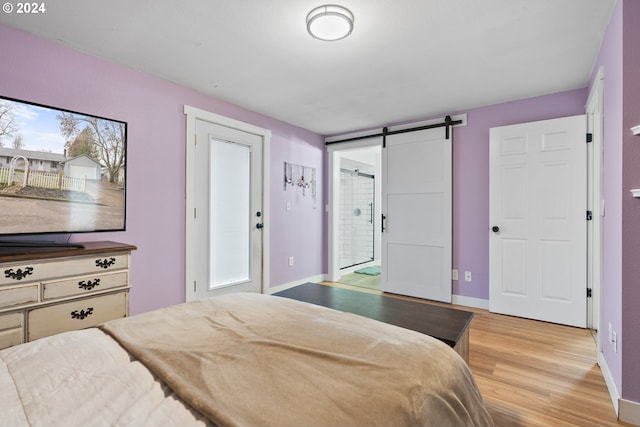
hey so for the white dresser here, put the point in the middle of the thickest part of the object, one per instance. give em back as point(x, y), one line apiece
point(45, 291)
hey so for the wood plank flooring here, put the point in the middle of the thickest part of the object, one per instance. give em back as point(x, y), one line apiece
point(535, 374)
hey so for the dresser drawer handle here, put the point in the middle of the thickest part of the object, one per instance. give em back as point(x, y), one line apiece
point(105, 263)
point(82, 314)
point(19, 274)
point(88, 285)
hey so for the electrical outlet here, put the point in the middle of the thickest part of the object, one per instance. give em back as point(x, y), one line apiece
point(614, 341)
point(290, 261)
point(467, 276)
point(454, 274)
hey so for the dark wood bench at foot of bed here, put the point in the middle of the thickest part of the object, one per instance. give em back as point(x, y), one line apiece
point(446, 324)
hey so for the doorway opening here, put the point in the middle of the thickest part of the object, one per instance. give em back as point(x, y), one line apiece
point(407, 255)
point(356, 195)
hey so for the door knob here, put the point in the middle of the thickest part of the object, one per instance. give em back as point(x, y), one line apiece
point(259, 225)
point(495, 228)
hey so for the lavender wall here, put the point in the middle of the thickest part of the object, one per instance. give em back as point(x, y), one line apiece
point(301, 231)
point(471, 178)
point(621, 226)
point(629, 346)
point(40, 71)
point(610, 58)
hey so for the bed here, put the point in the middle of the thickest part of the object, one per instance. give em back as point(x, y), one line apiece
point(239, 360)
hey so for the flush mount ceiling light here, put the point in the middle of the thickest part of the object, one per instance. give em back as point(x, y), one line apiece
point(330, 22)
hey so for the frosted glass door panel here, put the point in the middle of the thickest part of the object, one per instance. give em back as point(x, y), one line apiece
point(230, 203)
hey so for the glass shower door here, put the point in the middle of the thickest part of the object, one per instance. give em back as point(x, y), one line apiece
point(357, 192)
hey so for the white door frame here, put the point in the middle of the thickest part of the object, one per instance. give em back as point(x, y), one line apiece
point(334, 200)
point(595, 122)
point(192, 115)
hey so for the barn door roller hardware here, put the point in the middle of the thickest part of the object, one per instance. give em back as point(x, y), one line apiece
point(447, 123)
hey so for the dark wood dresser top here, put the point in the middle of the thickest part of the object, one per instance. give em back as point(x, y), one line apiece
point(25, 252)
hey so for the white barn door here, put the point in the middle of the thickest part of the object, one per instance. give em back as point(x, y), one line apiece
point(538, 229)
point(417, 208)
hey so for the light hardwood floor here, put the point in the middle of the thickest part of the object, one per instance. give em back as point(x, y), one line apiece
point(535, 374)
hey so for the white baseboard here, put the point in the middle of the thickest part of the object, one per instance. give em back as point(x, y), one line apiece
point(614, 394)
point(629, 412)
point(471, 301)
point(279, 288)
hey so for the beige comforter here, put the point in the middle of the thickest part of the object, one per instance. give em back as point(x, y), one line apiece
point(238, 360)
point(257, 360)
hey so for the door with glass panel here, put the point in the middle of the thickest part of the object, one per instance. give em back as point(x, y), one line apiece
point(228, 210)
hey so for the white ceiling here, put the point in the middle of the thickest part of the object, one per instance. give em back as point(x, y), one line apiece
point(405, 60)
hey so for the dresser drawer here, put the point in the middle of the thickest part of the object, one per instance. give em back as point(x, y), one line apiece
point(11, 320)
point(10, 296)
point(42, 270)
point(11, 329)
point(77, 314)
point(11, 337)
point(83, 285)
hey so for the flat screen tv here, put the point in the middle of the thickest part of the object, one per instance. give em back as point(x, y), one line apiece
point(61, 171)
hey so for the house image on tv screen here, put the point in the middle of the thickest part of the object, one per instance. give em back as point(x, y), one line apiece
point(47, 170)
point(38, 160)
point(82, 166)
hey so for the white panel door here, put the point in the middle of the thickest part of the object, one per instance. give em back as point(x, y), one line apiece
point(228, 211)
point(538, 203)
point(416, 205)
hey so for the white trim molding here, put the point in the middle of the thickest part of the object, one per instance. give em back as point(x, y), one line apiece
point(470, 301)
point(614, 394)
point(629, 412)
point(313, 279)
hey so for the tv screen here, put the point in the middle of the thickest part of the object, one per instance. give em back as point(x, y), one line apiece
point(60, 171)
